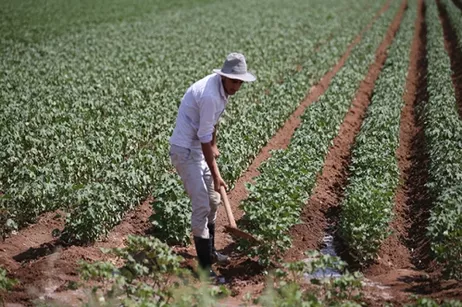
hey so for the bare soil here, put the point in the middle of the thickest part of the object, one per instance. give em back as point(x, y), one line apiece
point(43, 265)
point(22, 247)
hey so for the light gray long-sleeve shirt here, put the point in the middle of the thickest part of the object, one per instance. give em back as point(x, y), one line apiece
point(199, 111)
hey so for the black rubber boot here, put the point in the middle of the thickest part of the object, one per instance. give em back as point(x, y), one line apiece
point(216, 257)
point(204, 251)
point(204, 254)
point(211, 228)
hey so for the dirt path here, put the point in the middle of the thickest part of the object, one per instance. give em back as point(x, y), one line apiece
point(455, 54)
point(45, 267)
point(31, 242)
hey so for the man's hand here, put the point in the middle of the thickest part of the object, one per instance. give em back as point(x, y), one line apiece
point(209, 155)
point(218, 182)
point(215, 151)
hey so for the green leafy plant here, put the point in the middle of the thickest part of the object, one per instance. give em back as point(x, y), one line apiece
point(7, 225)
point(6, 284)
point(144, 258)
point(427, 302)
point(150, 276)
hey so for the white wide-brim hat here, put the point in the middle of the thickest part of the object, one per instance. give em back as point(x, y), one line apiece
point(235, 67)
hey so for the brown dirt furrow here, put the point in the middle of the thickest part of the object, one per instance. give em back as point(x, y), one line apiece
point(455, 54)
point(281, 139)
point(323, 206)
point(412, 199)
point(27, 243)
point(404, 264)
point(48, 274)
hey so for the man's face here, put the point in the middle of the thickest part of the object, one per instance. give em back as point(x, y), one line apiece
point(231, 86)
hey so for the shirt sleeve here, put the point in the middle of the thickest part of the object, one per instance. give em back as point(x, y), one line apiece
point(207, 107)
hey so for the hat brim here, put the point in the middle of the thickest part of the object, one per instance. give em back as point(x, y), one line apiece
point(247, 77)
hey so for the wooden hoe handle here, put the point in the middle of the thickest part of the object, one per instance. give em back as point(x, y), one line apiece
point(229, 213)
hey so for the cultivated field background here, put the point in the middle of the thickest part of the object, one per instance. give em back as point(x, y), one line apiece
point(352, 132)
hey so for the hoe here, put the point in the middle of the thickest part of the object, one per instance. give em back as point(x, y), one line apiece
point(232, 227)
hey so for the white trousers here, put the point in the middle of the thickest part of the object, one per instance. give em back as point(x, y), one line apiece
point(197, 180)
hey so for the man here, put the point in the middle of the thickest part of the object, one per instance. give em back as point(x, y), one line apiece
point(194, 149)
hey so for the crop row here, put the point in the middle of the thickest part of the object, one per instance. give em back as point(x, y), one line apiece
point(86, 114)
point(247, 128)
point(443, 131)
point(455, 17)
point(30, 22)
point(288, 177)
point(374, 174)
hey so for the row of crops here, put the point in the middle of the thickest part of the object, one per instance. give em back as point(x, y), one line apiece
point(274, 205)
point(86, 116)
point(367, 208)
point(88, 105)
point(443, 132)
point(374, 174)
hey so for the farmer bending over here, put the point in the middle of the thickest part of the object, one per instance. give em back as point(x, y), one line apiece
point(194, 149)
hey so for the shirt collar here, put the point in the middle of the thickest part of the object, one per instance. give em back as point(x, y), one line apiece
point(221, 88)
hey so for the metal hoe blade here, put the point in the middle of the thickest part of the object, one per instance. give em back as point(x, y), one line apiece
point(241, 234)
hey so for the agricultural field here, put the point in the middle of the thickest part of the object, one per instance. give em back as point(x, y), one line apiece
point(348, 146)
